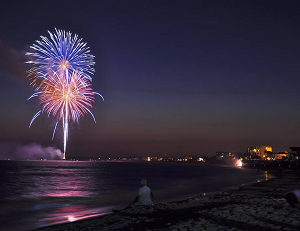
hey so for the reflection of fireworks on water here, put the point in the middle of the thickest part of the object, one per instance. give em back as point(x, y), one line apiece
point(62, 79)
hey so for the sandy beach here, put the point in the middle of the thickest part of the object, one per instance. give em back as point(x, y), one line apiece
point(259, 206)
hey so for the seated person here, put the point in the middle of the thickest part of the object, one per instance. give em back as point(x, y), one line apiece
point(145, 196)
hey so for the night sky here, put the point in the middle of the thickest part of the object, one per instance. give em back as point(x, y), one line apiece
point(179, 77)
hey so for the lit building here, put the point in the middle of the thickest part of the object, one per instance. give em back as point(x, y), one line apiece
point(295, 153)
point(190, 159)
point(260, 152)
point(165, 159)
point(280, 155)
point(150, 158)
point(223, 154)
point(200, 159)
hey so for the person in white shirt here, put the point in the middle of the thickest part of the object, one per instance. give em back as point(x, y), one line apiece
point(144, 196)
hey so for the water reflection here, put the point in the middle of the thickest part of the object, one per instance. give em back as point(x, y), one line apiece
point(63, 191)
point(50, 192)
point(71, 218)
point(62, 180)
point(70, 214)
point(266, 174)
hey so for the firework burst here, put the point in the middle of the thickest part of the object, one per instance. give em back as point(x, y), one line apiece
point(62, 52)
point(61, 73)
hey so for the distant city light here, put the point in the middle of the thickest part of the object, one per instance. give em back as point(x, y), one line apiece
point(239, 163)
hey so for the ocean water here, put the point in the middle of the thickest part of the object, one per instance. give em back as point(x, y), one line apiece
point(35, 194)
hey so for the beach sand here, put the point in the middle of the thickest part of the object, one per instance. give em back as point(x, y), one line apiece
point(259, 206)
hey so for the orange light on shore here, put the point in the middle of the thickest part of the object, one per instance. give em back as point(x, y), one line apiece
point(239, 163)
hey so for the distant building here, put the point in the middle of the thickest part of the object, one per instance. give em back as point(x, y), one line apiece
point(150, 158)
point(165, 159)
point(191, 158)
point(295, 153)
point(201, 159)
point(280, 155)
point(223, 157)
point(260, 152)
point(223, 154)
point(135, 158)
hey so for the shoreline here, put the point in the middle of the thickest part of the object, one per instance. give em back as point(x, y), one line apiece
point(256, 206)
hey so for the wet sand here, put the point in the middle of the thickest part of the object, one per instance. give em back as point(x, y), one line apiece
point(259, 206)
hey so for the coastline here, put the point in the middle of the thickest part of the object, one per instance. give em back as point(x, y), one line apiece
point(257, 206)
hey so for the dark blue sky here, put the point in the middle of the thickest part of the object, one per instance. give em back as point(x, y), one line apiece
point(178, 77)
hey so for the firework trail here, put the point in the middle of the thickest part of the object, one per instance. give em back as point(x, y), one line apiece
point(61, 74)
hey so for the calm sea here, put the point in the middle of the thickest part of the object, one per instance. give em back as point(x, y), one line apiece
point(34, 194)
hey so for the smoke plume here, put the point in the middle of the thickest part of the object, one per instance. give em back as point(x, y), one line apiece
point(31, 151)
point(12, 62)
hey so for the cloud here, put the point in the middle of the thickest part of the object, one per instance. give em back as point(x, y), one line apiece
point(12, 62)
point(31, 151)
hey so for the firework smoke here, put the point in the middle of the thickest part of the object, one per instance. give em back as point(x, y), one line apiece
point(31, 151)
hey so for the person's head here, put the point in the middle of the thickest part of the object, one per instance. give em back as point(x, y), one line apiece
point(292, 199)
point(144, 182)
